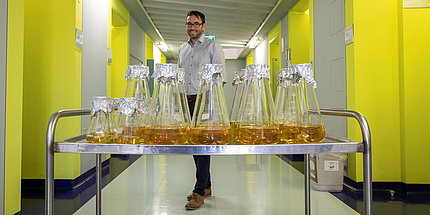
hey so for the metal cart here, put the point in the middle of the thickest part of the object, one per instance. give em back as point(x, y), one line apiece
point(330, 145)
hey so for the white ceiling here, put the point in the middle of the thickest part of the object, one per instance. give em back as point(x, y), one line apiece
point(232, 22)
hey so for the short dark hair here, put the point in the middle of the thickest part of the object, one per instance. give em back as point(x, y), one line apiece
point(198, 14)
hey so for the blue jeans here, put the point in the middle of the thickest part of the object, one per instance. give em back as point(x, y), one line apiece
point(202, 162)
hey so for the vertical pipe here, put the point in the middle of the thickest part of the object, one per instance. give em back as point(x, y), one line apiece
point(49, 181)
point(367, 165)
point(98, 184)
point(307, 186)
point(367, 175)
point(367, 162)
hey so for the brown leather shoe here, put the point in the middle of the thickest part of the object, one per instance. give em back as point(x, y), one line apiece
point(208, 192)
point(195, 202)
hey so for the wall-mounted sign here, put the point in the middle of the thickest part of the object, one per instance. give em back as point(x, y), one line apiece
point(282, 44)
point(109, 55)
point(349, 34)
point(79, 39)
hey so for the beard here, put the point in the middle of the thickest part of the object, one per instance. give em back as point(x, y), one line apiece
point(194, 34)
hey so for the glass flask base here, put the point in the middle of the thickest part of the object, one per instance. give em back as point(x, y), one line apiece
point(205, 136)
point(303, 133)
point(258, 135)
point(123, 139)
point(165, 136)
point(98, 138)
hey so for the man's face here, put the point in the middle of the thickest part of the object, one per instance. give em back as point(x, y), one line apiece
point(195, 32)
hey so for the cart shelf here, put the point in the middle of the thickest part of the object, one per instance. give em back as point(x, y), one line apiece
point(331, 144)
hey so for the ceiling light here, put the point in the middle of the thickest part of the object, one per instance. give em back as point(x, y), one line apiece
point(162, 46)
point(232, 53)
point(254, 42)
point(233, 45)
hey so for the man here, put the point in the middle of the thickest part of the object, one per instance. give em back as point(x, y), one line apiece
point(198, 50)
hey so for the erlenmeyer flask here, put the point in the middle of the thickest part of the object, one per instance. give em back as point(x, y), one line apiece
point(210, 124)
point(127, 130)
point(137, 81)
point(303, 123)
point(257, 119)
point(281, 95)
point(100, 130)
point(184, 101)
point(282, 91)
point(168, 125)
point(237, 99)
point(293, 108)
point(142, 112)
point(114, 103)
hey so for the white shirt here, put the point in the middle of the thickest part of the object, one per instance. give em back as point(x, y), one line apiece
point(204, 51)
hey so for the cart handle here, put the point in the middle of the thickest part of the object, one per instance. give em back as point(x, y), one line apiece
point(50, 133)
point(367, 155)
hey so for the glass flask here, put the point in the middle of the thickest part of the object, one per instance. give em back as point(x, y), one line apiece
point(114, 105)
point(137, 81)
point(258, 124)
point(142, 112)
point(281, 95)
point(210, 124)
point(127, 130)
point(166, 125)
point(180, 75)
point(237, 99)
point(302, 118)
point(100, 130)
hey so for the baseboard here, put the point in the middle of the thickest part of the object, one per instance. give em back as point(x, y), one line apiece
point(66, 184)
point(387, 186)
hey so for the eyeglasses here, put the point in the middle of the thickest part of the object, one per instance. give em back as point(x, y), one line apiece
point(196, 24)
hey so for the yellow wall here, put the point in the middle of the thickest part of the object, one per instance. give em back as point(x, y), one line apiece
point(298, 36)
point(310, 12)
point(163, 57)
point(373, 84)
point(149, 48)
point(118, 40)
point(51, 83)
point(250, 58)
point(14, 102)
point(415, 99)
point(384, 67)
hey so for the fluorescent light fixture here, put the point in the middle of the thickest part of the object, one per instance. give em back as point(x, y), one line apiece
point(232, 53)
point(416, 3)
point(162, 46)
point(233, 45)
point(254, 42)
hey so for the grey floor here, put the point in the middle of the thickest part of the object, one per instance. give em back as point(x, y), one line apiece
point(252, 184)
